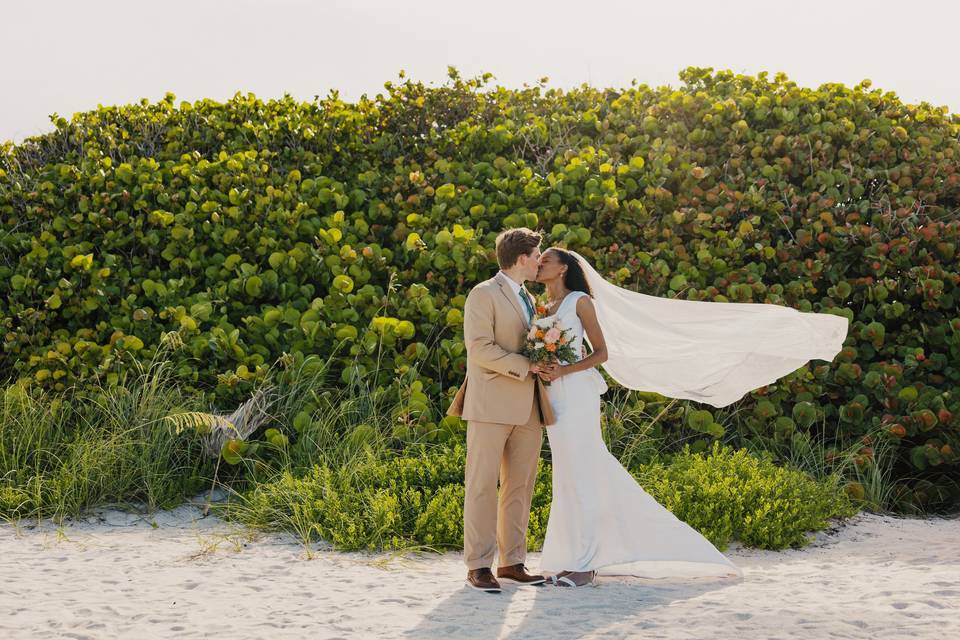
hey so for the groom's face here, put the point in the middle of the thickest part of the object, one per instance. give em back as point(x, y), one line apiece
point(531, 264)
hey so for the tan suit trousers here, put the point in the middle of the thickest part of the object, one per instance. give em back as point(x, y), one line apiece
point(510, 453)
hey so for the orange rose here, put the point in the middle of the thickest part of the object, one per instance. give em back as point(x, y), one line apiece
point(551, 347)
point(540, 333)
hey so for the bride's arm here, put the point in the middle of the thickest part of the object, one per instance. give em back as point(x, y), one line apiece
point(588, 317)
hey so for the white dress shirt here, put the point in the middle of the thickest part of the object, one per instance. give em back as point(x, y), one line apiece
point(516, 290)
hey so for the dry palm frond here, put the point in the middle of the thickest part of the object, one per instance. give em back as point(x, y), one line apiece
point(198, 421)
point(218, 428)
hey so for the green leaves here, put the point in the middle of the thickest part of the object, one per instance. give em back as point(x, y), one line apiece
point(253, 286)
point(276, 438)
point(131, 343)
point(804, 413)
point(253, 228)
point(908, 394)
point(446, 192)
point(702, 420)
point(417, 499)
point(161, 218)
point(233, 450)
point(765, 410)
point(82, 261)
point(343, 283)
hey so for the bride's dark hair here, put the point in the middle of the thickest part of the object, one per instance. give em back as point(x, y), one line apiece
point(574, 279)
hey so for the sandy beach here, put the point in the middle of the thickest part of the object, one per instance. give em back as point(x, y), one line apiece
point(176, 574)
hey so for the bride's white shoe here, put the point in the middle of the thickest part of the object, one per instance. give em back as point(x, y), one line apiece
point(564, 581)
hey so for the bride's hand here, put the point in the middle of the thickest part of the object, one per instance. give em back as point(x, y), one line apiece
point(550, 371)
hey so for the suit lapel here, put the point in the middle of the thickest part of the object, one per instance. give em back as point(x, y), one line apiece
point(512, 299)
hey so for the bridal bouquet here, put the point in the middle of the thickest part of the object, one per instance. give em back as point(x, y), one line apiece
point(547, 341)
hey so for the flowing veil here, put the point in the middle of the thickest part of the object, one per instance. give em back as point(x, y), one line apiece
point(711, 352)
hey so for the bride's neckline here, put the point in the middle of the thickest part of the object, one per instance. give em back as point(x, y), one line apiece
point(557, 310)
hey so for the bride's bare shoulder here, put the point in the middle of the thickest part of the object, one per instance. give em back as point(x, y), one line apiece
point(584, 305)
point(591, 325)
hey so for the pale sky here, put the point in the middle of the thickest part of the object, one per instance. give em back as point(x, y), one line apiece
point(66, 55)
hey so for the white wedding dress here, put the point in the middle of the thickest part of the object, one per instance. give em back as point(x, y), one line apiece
point(600, 517)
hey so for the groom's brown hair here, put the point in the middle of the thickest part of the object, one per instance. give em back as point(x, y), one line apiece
point(513, 243)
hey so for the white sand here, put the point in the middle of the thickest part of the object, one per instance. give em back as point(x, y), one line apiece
point(177, 575)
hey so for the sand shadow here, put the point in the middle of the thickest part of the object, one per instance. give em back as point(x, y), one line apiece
point(522, 612)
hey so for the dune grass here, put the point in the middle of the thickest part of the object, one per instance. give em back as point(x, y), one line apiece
point(64, 453)
point(353, 464)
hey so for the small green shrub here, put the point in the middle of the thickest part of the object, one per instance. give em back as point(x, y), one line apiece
point(417, 500)
point(732, 495)
point(371, 504)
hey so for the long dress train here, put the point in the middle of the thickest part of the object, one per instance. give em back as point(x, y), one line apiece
point(601, 518)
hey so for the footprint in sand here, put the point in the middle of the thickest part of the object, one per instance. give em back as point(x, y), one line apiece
point(931, 603)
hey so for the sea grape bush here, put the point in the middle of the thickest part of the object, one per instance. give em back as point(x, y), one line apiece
point(255, 228)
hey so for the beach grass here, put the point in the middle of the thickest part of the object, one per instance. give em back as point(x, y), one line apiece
point(353, 465)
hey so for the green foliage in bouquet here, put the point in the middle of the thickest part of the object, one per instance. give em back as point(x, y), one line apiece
point(251, 228)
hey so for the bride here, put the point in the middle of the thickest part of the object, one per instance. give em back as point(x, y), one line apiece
point(601, 520)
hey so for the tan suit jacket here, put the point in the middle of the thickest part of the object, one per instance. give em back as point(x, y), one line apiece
point(498, 386)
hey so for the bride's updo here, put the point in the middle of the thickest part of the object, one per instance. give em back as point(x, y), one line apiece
point(574, 279)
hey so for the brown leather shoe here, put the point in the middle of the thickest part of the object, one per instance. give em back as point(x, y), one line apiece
point(482, 580)
point(518, 573)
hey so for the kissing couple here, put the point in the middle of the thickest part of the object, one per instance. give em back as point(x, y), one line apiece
point(601, 520)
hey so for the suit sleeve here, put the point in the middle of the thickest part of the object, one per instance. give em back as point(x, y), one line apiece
point(479, 341)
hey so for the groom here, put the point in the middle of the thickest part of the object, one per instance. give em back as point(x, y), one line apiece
point(505, 405)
